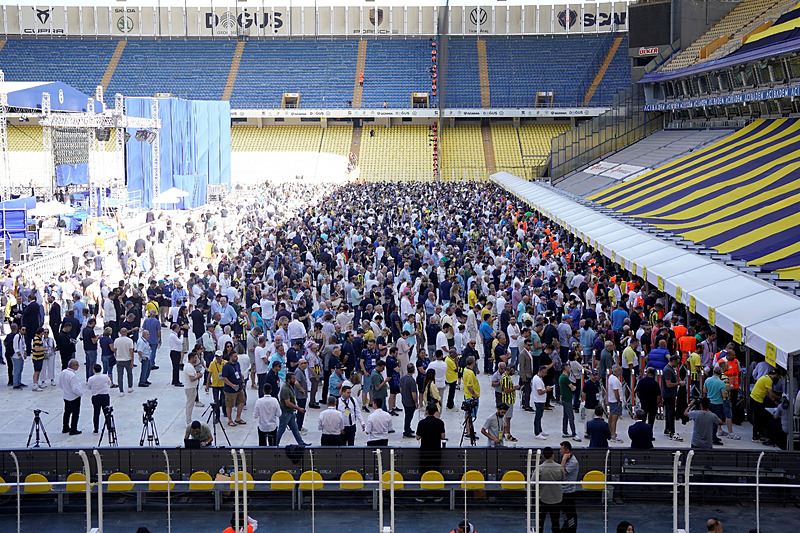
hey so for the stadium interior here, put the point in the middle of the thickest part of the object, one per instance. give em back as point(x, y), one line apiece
point(684, 119)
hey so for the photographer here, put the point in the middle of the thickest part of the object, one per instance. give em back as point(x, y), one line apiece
point(705, 422)
point(196, 430)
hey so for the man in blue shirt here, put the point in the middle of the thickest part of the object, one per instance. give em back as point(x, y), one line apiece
point(227, 314)
point(336, 380)
point(153, 325)
point(716, 391)
point(658, 357)
point(179, 293)
point(618, 317)
point(487, 336)
point(234, 390)
point(599, 432)
point(368, 360)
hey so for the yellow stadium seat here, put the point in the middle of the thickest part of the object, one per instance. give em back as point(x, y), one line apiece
point(44, 485)
point(239, 478)
point(311, 480)
point(281, 480)
point(594, 480)
point(4, 487)
point(435, 480)
point(201, 481)
point(76, 482)
point(355, 479)
point(513, 480)
point(159, 482)
point(389, 478)
point(473, 480)
point(119, 482)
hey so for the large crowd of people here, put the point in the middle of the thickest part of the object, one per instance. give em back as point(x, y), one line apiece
point(376, 300)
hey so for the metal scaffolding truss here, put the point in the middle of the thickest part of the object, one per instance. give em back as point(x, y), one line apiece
point(99, 174)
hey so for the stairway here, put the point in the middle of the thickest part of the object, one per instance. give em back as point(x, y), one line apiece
point(488, 147)
point(237, 58)
point(2, 44)
point(361, 63)
point(483, 73)
point(112, 64)
point(355, 142)
point(601, 71)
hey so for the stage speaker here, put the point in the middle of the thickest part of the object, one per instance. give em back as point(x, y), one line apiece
point(102, 134)
point(18, 248)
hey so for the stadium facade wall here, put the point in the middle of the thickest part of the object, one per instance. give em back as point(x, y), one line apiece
point(305, 18)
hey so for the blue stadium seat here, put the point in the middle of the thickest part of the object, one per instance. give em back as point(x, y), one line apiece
point(76, 62)
point(394, 69)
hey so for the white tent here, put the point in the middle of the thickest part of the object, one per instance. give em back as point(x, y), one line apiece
point(756, 313)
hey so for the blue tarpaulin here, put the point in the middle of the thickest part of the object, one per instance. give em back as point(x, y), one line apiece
point(72, 174)
point(29, 202)
point(28, 95)
point(13, 221)
point(194, 147)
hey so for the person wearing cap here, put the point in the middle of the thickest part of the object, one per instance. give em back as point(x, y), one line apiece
point(273, 377)
point(336, 380)
point(153, 325)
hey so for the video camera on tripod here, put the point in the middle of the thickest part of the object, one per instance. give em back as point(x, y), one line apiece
point(469, 405)
point(149, 407)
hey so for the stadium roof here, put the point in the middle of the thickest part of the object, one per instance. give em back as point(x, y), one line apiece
point(757, 314)
point(28, 95)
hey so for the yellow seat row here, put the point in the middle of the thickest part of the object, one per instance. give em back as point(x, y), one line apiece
point(461, 153)
point(395, 154)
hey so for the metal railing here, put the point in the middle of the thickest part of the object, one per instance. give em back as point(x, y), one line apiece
point(614, 475)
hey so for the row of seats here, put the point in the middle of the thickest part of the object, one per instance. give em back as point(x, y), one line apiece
point(399, 152)
point(525, 146)
point(461, 152)
point(731, 24)
point(616, 77)
point(29, 139)
point(322, 72)
point(282, 480)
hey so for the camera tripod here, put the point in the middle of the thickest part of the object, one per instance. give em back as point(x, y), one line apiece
point(213, 413)
point(468, 429)
point(149, 431)
point(108, 422)
point(37, 426)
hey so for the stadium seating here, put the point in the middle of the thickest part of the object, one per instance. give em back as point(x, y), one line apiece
point(396, 153)
point(519, 68)
point(651, 152)
point(616, 77)
point(461, 153)
point(523, 147)
point(735, 25)
point(78, 63)
point(322, 72)
point(463, 80)
point(738, 196)
point(393, 70)
point(288, 151)
point(195, 70)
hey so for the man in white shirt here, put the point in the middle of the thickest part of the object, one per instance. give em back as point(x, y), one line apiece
point(351, 412)
point(261, 356)
point(71, 392)
point(267, 413)
point(99, 385)
point(440, 367)
point(123, 352)
point(296, 329)
point(615, 397)
point(191, 378)
point(176, 353)
point(223, 339)
point(441, 338)
point(331, 424)
point(379, 425)
point(539, 392)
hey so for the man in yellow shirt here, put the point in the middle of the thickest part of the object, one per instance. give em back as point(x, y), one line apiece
point(215, 383)
point(762, 390)
point(451, 378)
point(695, 363)
point(472, 389)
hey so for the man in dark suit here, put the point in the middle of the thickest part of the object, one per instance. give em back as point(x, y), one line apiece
point(640, 432)
point(32, 316)
point(54, 316)
point(599, 432)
